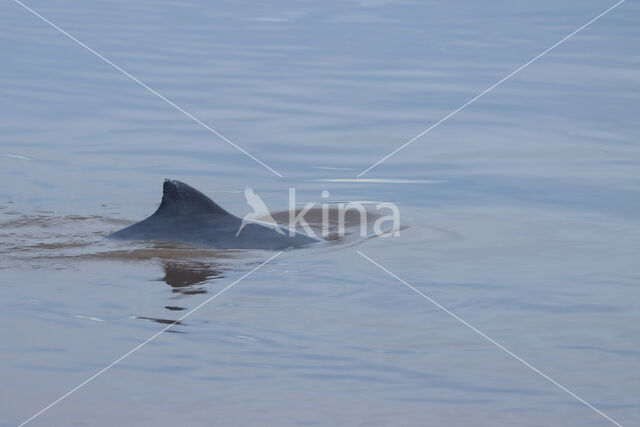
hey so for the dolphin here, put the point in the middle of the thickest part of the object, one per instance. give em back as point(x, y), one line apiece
point(186, 215)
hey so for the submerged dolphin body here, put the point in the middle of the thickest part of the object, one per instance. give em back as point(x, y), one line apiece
point(186, 215)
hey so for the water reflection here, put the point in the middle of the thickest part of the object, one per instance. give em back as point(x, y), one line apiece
point(186, 278)
point(163, 321)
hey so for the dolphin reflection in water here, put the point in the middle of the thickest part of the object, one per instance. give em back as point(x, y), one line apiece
point(185, 278)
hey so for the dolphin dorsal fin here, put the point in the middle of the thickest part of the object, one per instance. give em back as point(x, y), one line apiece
point(180, 198)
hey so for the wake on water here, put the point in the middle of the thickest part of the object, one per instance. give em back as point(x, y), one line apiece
point(45, 239)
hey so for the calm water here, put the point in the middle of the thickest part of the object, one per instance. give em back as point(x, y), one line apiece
point(521, 213)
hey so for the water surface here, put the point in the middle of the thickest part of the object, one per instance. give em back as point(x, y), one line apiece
point(521, 212)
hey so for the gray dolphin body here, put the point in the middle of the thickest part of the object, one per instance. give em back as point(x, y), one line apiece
point(185, 215)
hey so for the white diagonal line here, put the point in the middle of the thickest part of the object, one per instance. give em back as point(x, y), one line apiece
point(136, 348)
point(491, 340)
point(191, 116)
point(490, 88)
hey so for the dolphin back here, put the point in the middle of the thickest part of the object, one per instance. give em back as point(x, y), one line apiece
point(186, 215)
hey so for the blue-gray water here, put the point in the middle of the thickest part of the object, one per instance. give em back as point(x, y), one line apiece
point(521, 212)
